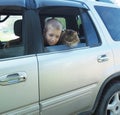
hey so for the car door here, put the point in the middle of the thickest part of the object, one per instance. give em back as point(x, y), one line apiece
point(69, 78)
point(18, 71)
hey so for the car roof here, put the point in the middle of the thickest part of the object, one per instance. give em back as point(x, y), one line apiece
point(12, 3)
point(72, 3)
point(34, 4)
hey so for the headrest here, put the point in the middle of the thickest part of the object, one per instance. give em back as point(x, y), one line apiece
point(18, 27)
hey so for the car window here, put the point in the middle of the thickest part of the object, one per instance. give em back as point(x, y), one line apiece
point(111, 19)
point(11, 36)
point(91, 34)
point(77, 28)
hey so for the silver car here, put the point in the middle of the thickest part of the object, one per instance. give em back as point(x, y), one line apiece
point(40, 79)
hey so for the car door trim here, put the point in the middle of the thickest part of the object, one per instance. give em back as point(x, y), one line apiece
point(66, 97)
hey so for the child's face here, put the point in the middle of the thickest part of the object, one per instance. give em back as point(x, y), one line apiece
point(52, 36)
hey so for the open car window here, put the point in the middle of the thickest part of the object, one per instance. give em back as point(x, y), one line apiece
point(71, 19)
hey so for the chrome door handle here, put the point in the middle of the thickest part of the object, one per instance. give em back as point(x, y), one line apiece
point(102, 58)
point(13, 78)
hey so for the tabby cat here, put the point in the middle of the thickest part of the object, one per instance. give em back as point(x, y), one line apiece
point(70, 38)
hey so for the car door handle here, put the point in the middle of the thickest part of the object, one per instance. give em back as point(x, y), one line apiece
point(13, 78)
point(102, 58)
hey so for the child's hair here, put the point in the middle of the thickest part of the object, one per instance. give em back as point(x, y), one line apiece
point(53, 23)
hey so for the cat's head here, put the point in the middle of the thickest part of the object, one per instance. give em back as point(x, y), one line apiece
point(70, 38)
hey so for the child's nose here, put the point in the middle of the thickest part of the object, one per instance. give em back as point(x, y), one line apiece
point(53, 39)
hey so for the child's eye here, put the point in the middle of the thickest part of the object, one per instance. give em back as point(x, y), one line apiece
point(57, 36)
point(51, 35)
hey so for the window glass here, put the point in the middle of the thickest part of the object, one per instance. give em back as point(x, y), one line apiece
point(111, 19)
point(92, 37)
point(11, 36)
point(7, 28)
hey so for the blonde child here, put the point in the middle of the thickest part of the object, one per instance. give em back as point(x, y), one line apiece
point(52, 32)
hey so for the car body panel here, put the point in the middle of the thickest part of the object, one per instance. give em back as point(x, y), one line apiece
point(20, 3)
point(68, 103)
point(63, 75)
point(23, 93)
point(32, 109)
point(40, 3)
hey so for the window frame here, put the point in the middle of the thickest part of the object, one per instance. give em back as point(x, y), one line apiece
point(80, 11)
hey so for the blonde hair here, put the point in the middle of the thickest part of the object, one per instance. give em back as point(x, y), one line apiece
point(53, 23)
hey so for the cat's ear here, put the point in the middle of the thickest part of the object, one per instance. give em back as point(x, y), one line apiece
point(75, 33)
point(62, 35)
point(63, 32)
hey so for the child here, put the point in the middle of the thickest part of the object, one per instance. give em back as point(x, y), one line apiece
point(52, 32)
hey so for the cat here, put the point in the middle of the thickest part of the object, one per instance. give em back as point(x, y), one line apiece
point(70, 38)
